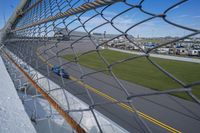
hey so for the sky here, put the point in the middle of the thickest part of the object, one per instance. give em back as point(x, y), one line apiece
point(186, 14)
point(7, 7)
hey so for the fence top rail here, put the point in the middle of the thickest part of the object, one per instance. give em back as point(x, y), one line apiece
point(83, 8)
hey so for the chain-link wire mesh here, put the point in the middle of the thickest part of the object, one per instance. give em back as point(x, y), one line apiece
point(77, 36)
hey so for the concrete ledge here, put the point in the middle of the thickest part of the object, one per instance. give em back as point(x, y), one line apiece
point(13, 118)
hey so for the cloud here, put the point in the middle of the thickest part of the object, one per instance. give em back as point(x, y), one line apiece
point(183, 16)
point(198, 16)
point(153, 28)
point(122, 22)
point(110, 13)
point(176, 7)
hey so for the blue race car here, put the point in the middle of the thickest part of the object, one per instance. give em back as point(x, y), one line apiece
point(60, 71)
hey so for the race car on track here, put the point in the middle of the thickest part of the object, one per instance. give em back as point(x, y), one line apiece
point(60, 71)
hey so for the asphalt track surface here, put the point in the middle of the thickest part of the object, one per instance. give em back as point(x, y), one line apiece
point(162, 113)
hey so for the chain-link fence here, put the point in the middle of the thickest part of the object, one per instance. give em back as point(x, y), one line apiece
point(74, 43)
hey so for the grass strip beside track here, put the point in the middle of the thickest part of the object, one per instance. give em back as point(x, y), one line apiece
point(142, 72)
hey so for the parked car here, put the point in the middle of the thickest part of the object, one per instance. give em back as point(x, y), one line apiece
point(62, 37)
point(193, 52)
point(60, 71)
point(181, 51)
